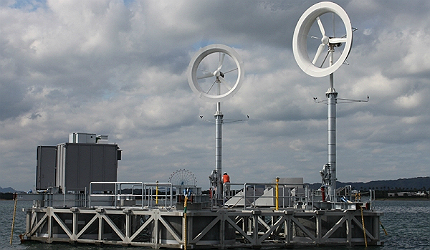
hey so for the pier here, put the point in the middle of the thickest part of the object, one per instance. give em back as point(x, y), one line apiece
point(156, 215)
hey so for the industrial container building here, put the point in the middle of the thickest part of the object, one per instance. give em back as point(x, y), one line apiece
point(45, 171)
point(70, 167)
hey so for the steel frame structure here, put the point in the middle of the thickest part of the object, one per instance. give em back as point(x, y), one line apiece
point(221, 228)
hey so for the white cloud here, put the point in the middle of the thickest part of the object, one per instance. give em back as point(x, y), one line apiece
point(409, 101)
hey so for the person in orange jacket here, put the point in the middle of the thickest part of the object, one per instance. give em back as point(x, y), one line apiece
point(226, 179)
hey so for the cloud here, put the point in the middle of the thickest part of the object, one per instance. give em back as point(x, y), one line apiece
point(116, 68)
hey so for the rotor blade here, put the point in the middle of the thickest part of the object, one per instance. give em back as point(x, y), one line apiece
point(319, 51)
point(221, 60)
point(228, 71)
point(321, 26)
point(210, 87)
point(337, 40)
point(325, 58)
point(205, 75)
point(225, 83)
point(334, 31)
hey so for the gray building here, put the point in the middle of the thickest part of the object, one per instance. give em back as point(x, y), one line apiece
point(45, 171)
point(72, 166)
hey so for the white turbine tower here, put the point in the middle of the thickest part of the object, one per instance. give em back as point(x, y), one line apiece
point(319, 66)
point(215, 73)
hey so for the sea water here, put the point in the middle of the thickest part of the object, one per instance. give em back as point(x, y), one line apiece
point(406, 222)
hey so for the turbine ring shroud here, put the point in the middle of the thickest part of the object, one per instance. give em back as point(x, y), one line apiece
point(301, 34)
point(218, 73)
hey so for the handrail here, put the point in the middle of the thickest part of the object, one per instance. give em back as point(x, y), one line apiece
point(116, 192)
point(139, 190)
point(248, 195)
point(286, 194)
point(168, 193)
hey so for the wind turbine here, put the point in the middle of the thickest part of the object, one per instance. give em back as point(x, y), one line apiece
point(320, 67)
point(215, 73)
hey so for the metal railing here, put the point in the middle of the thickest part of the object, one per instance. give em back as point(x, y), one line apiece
point(251, 195)
point(166, 195)
point(159, 194)
point(130, 194)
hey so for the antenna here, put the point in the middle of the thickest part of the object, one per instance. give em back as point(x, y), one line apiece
point(343, 100)
point(215, 73)
point(226, 120)
point(313, 20)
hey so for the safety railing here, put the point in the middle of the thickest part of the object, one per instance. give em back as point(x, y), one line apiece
point(130, 194)
point(114, 193)
point(159, 194)
point(58, 200)
point(252, 195)
point(240, 195)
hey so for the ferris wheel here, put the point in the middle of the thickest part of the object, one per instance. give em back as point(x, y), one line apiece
point(183, 177)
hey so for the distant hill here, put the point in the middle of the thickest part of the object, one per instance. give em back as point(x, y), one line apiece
point(7, 190)
point(404, 184)
point(417, 183)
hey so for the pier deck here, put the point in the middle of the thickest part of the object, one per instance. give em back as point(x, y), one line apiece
point(160, 226)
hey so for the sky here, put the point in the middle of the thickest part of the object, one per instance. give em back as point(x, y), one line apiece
point(119, 68)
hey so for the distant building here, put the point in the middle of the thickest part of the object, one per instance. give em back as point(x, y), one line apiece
point(408, 194)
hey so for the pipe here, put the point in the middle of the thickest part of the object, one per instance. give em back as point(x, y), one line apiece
point(331, 95)
point(156, 193)
point(277, 193)
point(323, 193)
point(364, 228)
point(331, 142)
point(383, 228)
point(218, 151)
point(13, 217)
point(185, 222)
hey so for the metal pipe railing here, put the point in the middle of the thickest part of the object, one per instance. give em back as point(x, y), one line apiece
point(289, 195)
point(167, 197)
point(117, 192)
point(150, 194)
point(245, 195)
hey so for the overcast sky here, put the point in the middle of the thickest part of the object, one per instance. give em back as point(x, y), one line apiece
point(119, 68)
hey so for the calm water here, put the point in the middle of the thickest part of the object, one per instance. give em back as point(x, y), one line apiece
point(407, 224)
